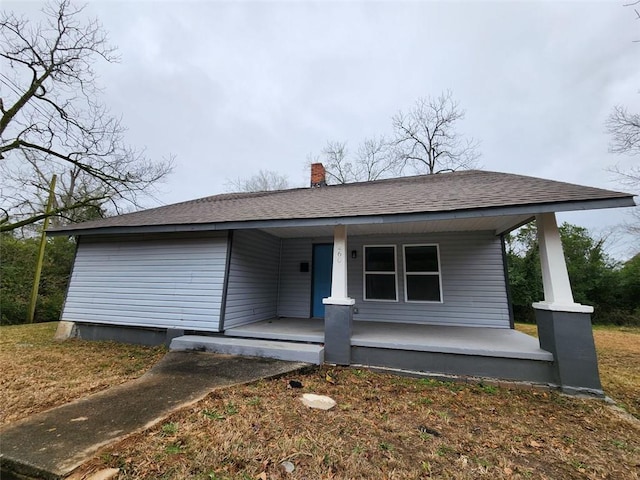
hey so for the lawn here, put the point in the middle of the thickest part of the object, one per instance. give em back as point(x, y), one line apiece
point(38, 373)
point(619, 363)
point(384, 426)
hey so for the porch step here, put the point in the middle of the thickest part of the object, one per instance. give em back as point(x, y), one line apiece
point(250, 347)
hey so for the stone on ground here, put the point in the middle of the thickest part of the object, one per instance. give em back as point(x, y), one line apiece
point(321, 402)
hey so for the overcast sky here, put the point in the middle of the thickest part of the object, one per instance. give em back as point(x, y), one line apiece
point(233, 87)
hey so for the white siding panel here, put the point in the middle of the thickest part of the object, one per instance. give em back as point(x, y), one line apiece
point(252, 290)
point(153, 282)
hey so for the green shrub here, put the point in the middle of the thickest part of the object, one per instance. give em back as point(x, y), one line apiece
point(17, 269)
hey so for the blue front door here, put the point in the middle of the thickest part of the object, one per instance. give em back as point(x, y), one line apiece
point(322, 266)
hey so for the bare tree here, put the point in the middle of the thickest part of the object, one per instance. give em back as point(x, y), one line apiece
point(339, 169)
point(263, 181)
point(373, 160)
point(624, 128)
point(426, 137)
point(53, 121)
point(631, 178)
point(635, 4)
point(78, 197)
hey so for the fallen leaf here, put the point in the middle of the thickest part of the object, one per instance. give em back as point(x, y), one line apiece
point(535, 444)
point(262, 476)
point(507, 471)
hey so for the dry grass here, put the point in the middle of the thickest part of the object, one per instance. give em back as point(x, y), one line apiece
point(383, 427)
point(38, 373)
point(619, 362)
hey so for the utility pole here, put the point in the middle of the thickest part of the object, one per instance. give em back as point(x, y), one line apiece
point(43, 243)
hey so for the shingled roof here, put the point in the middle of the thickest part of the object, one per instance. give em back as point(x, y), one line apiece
point(464, 191)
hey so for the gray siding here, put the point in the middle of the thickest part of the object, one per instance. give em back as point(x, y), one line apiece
point(295, 286)
point(164, 282)
point(252, 292)
point(473, 283)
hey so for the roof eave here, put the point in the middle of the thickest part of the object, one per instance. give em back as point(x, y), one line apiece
point(529, 209)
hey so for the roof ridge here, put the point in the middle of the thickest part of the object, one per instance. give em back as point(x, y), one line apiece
point(231, 195)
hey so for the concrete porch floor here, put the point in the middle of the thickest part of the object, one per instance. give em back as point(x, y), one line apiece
point(488, 342)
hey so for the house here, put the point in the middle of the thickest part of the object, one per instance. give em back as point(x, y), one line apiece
point(406, 273)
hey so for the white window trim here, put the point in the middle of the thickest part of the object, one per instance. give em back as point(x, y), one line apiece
point(365, 272)
point(438, 273)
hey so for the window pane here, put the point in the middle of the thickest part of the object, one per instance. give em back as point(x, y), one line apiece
point(380, 259)
point(423, 288)
point(421, 258)
point(380, 287)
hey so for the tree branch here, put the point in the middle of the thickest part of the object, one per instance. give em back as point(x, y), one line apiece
point(51, 117)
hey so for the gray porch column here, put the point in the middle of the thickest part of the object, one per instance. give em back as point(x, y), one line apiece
point(568, 336)
point(564, 327)
point(338, 324)
point(338, 313)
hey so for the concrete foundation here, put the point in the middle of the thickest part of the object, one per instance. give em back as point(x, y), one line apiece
point(171, 334)
point(338, 325)
point(251, 347)
point(65, 331)
point(569, 337)
point(116, 333)
point(513, 369)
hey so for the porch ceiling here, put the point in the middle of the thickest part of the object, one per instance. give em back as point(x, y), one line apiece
point(497, 224)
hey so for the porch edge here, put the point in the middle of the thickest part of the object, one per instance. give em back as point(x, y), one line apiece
point(499, 368)
point(502, 383)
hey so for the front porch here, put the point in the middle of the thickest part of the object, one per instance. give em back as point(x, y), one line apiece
point(488, 342)
point(414, 348)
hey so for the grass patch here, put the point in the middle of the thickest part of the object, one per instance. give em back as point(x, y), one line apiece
point(169, 428)
point(38, 373)
point(213, 415)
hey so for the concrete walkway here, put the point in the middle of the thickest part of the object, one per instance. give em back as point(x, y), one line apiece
point(51, 444)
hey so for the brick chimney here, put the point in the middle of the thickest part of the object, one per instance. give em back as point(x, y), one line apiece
point(318, 174)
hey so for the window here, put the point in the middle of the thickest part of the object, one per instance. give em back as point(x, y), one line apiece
point(422, 273)
point(380, 273)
